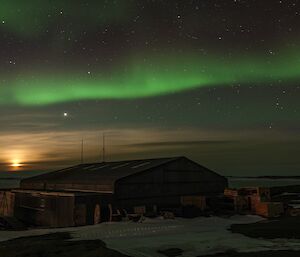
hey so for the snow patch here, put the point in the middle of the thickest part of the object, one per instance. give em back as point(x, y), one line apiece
point(199, 236)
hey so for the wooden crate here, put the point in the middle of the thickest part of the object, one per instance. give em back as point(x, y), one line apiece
point(231, 193)
point(269, 209)
point(7, 203)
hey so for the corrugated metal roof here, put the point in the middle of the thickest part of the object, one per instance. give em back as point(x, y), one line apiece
point(102, 175)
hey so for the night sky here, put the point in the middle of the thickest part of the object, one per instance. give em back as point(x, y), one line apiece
point(216, 81)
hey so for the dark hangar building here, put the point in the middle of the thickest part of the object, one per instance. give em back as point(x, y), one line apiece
point(91, 193)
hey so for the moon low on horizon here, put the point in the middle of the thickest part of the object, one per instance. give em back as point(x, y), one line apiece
point(216, 81)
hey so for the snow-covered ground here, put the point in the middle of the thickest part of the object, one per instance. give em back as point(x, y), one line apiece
point(196, 237)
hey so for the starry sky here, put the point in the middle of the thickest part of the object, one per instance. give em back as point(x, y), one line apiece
point(214, 80)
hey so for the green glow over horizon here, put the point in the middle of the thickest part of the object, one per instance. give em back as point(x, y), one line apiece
point(153, 77)
point(30, 18)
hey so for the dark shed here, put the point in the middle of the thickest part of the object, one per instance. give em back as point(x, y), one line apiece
point(126, 184)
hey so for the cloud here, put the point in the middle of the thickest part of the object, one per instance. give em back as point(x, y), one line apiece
point(183, 143)
point(229, 152)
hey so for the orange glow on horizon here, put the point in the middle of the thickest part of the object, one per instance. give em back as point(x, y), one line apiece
point(16, 164)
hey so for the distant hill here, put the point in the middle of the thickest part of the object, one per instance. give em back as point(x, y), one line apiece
point(266, 177)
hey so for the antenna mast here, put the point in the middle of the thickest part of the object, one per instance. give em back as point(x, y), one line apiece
point(103, 145)
point(81, 151)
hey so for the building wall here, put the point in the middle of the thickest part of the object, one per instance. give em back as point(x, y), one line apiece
point(60, 209)
point(89, 202)
point(166, 184)
point(162, 186)
point(44, 210)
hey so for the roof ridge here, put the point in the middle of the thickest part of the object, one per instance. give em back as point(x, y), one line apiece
point(134, 160)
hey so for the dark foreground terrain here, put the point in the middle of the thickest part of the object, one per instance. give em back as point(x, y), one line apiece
point(55, 245)
point(288, 227)
point(59, 245)
point(258, 254)
point(173, 252)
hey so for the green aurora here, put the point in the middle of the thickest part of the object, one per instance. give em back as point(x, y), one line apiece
point(16, 13)
point(135, 77)
point(150, 77)
point(216, 81)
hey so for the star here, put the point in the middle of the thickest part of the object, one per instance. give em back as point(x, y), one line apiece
point(201, 67)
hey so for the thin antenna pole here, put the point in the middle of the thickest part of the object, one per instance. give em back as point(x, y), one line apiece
point(82, 151)
point(103, 145)
point(100, 147)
